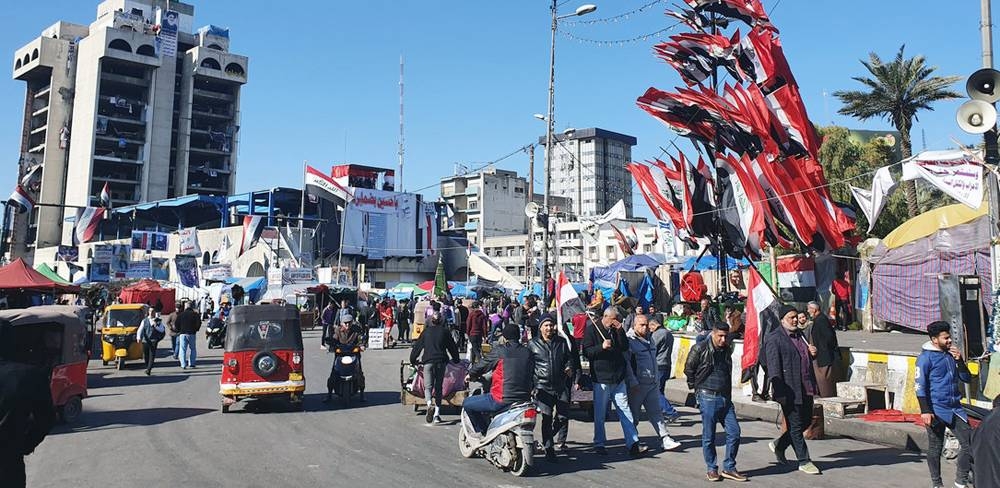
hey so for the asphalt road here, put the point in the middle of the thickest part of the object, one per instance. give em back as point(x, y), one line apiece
point(167, 430)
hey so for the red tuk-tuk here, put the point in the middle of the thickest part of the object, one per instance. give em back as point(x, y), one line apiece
point(263, 355)
point(54, 337)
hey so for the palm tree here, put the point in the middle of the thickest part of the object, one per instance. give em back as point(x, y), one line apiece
point(896, 91)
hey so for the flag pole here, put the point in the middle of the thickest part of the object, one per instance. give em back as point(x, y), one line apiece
point(302, 208)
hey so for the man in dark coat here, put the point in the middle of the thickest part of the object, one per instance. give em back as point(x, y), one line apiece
point(605, 345)
point(475, 329)
point(985, 440)
point(793, 386)
point(435, 343)
point(26, 412)
point(553, 371)
point(824, 337)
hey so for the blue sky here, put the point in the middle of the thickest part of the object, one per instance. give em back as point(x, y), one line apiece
point(323, 77)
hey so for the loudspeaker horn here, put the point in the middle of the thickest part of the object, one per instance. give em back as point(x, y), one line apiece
point(976, 117)
point(984, 85)
point(531, 209)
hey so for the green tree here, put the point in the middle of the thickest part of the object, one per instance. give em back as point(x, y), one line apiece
point(896, 91)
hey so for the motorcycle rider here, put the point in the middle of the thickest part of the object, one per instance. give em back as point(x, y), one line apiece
point(347, 336)
point(513, 375)
point(553, 370)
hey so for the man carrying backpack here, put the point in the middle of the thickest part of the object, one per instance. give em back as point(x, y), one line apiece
point(149, 334)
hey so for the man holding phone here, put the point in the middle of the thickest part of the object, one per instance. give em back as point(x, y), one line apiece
point(939, 368)
point(605, 345)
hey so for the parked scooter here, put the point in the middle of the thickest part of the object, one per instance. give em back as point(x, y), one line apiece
point(509, 441)
point(216, 333)
point(346, 377)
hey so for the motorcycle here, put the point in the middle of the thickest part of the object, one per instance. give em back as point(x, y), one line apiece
point(216, 333)
point(509, 441)
point(346, 377)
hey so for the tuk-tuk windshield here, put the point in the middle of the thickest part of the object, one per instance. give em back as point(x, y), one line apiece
point(259, 327)
point(125, 318)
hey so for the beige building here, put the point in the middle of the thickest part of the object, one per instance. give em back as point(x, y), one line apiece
point(588, 169)
point(137, 100)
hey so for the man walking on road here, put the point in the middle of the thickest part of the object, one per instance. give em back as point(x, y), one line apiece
point(709, 373)
point(643, 380)
point(793, 386)
point(188, 324)
point(171, 324)
point(475, 329)
point(663, 341)
point(824, 337)
point(939, 369)
point(26, 412)
point(148, 334)
point(436, 344)
point(605, 345)
point(553, 370)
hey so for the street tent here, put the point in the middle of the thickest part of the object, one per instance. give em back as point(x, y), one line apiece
point(18, 276)
point(709, 262)
point(49, 273)
point(952, 239)
point(609, 273)
point(151, 293)
point(406, 290)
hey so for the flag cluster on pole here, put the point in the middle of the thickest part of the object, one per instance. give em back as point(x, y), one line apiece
point(755, 131)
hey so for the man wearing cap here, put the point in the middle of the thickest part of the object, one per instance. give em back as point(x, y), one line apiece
point(553, 370)
point(605, 345)
point(513, 379)
point(793, 385)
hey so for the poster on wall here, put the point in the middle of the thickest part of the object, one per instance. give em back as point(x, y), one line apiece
point(149, 241)
point(99, 272)
point(68, 254)
point(121, 254)
point(102, 253)
point(376, 216)
point(188, 241)
point(217, 272)
point(138, 270)
point(377, 238)
point(167, 36)
point(294, 276)
point(159, 268)
point(187, 270)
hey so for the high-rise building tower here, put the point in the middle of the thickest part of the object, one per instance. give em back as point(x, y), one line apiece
point(588, 168)
point(138, 101)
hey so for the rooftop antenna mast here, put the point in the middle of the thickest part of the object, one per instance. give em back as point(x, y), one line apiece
point(399, 177)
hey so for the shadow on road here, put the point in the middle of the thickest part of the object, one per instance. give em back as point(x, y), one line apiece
point(845, 459)
point(314, 401)
point(116, 419)
point(112, 379)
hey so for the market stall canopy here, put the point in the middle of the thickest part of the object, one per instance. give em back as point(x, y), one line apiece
point(18, 275)
point(405, 290)
point(151, 293)
point(50, 274)
point(708, 262)
point(928, 223)
point(632, 263)
point(487, 270)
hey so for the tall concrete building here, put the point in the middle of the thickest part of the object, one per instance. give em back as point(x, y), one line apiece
point(137, 100)
point(588, 168)
point(488, 203)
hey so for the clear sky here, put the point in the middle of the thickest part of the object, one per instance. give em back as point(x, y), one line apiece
point(323, 75)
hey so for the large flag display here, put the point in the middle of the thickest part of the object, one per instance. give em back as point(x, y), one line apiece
point(762, 315)
point(324, 186)
point(88, 222)
point(253, 226)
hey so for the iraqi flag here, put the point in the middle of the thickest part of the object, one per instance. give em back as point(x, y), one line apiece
point(106, 196)
point(323, 186)
point(88, 222)
point(253, 226)
point(797, 278)
point(22, 200)
point(762, 311)
point(568, 304)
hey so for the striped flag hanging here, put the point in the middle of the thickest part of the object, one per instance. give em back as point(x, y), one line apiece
point(253, 226)
point(22, 200)
point(88, 221)
point(762, 310)
point(326, 187)
point(106, 196)
point(797, 278)
point(568, 304)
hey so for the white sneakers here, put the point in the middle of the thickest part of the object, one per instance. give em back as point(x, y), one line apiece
point(669, 443)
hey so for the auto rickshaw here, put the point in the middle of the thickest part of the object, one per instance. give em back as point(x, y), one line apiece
point(54, 337)
point(121, 321)
point(263, 355)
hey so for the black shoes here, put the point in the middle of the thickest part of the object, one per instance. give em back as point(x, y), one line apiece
point(550, 455)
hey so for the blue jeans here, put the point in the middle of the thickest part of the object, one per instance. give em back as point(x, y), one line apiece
point(187, 342)
point(479, 409)
point(665, 406)
point(716, 410)
point(604, 394)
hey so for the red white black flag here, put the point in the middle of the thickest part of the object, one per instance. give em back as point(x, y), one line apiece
point(253, 226)
point(22, 200)
point(762, 311)
point(323, 186)
point(88, 222)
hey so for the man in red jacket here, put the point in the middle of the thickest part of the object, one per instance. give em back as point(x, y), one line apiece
point(475, 329)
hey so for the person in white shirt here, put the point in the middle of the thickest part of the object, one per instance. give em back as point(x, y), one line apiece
point(149, 333)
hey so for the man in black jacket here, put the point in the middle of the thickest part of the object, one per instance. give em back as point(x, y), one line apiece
point(824, 337)
point(605, 345)
point(436, 343)
point(513, 379)
point(793, 386)
point(708, 370)
point(553, 370)
point(26, 412)
point(188, 324)
point(985, 440)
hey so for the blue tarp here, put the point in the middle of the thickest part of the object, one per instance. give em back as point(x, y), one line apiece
point(609, 273)
point(711, 262)
point(536, 289)
point(254, 287)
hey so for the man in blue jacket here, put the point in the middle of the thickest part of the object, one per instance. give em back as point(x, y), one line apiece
point(939, 367)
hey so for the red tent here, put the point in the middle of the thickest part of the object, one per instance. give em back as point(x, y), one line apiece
point(429, 285)
point(151, 293)
point(20, 276)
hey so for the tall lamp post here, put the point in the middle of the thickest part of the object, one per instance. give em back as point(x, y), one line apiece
point(549, 119)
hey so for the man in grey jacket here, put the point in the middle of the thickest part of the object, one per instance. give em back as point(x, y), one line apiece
point(643, 377)
point(663, 341)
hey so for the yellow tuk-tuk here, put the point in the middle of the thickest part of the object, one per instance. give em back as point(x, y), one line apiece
point(121, 321)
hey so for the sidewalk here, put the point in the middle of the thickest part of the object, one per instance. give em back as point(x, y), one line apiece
point(902, 435)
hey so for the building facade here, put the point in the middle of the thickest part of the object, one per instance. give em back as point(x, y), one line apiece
point(489, 203)
point(137, 101)
point(588, 169)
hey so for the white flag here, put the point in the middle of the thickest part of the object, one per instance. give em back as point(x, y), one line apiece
point(616, 212)
point(873, 201)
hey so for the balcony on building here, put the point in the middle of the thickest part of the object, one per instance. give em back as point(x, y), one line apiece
point(218, 65)
point(127, 45)
point(118, 150)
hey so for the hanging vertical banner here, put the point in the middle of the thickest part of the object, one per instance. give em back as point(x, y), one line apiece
point(99, 272)
point(187, 270)
point(159, 268)
point(168, 20)
point(121, 254)
point(376, 239)
point(189, 242)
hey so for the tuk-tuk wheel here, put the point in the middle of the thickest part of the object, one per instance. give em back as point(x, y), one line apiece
point(104, 363)
point(71, 410)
